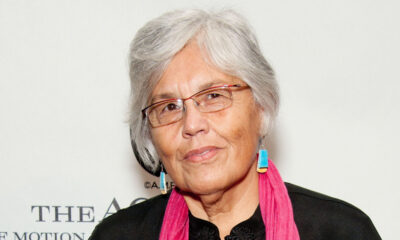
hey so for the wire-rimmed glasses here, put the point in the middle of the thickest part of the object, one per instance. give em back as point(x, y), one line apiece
point(209, 100)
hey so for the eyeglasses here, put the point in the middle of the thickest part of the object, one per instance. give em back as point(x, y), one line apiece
point(209, 100)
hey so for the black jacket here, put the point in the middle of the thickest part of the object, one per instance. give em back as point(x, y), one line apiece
point(318, 217)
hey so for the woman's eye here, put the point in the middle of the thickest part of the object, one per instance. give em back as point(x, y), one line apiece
point(213, 95)
point(170, 107)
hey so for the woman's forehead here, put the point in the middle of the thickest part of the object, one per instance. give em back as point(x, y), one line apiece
point(188, 73)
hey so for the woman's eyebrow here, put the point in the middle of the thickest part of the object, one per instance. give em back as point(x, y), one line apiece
point(206, 85)
point(170, 95)
point(162, 96)
point(216, 82)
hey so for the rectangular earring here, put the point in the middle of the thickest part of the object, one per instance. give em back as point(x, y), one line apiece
point(262, 164)
point(163, 186)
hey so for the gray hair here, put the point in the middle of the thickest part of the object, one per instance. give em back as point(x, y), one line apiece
point(226, 41)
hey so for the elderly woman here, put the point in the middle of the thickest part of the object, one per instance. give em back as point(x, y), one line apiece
point(204, 100)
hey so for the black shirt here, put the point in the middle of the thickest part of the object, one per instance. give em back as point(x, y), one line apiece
point(251, 229)
point(317, 217)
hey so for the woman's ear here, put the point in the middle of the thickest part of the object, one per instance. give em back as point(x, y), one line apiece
point(263, 120)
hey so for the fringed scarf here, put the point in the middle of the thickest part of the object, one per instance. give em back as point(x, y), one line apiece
point(275, 205)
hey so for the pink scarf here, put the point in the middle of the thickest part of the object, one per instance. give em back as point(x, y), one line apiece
point(275, 205)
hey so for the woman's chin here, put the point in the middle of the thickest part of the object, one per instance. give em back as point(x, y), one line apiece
point(198, 191)
point(205, 185)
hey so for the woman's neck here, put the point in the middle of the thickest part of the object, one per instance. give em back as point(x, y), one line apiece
point(228, 207)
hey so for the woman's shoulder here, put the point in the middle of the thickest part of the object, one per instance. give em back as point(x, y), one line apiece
point(318, 216)
point(140, 221)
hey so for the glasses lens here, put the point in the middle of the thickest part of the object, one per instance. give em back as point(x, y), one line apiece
point(165, 113)
point(214, 100)
point(210, 100)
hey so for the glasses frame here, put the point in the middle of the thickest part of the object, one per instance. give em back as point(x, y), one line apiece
point(146, 109)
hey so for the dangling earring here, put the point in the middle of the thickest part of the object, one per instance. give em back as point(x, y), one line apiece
point(163, 186)
point(262, 165)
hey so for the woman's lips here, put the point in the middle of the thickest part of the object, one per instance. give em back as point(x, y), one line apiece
point(201, 154)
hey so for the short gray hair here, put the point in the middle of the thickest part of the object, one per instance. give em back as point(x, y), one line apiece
point(227, 41)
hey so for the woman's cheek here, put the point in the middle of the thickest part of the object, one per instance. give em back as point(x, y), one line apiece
point(166, 142)
point(159, 140)
point(233, 127)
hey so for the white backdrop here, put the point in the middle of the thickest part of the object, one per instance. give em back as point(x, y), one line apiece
point(64, 143)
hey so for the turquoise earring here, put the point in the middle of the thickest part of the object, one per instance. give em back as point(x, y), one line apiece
point(163, 186)
point(262, 165)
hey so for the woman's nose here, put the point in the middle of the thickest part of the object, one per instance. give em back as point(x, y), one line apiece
point(194, 122)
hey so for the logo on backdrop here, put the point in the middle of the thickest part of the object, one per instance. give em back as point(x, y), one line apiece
point(55, 214)
point(156, 185)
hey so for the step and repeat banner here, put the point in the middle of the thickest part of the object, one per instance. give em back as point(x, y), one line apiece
point(65, 157)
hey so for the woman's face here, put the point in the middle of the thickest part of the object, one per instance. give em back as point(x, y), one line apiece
point(205, 152)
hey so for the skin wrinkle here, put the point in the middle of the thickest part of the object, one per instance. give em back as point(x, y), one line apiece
point(224, 188)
